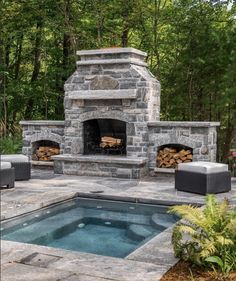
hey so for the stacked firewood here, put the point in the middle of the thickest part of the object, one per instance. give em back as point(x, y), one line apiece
point(44, 153)
point(170, 157)
point(107, 142)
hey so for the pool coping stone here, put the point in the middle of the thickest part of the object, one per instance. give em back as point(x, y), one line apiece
point(148, 262)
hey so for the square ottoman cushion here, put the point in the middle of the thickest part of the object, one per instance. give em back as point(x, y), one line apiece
point(21, 164)
point(203, 177)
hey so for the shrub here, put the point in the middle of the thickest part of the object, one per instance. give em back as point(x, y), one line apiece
point(10, 145)
point(232, 161)
point(206, 236)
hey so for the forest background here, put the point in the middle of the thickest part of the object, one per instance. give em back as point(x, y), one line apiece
point(191, 47)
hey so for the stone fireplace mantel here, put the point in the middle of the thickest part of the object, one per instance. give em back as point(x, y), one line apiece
point(103, 94)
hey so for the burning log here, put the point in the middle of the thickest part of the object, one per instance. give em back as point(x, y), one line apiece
point(170, 157)
point(110, 142)
point(44, 153)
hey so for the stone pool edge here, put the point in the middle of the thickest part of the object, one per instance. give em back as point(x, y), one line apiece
point(157, 251)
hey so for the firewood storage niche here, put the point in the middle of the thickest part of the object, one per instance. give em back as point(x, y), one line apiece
point(105, 136)
point(170, 155)
point(43, 150)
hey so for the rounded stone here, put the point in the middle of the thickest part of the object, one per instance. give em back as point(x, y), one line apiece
point(204, 150)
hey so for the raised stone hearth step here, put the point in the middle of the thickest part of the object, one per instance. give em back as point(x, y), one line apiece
point(42, 163)
point(164, 170)
point(101, 159)
point(100, 165)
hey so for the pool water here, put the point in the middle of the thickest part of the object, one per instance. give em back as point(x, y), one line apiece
point(101, 227)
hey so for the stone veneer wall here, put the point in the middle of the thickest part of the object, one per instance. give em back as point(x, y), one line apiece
point(42, 130)
point(115, 84)
point(200, 136)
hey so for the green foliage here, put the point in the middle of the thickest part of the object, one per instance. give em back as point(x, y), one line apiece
point(232, 161)
point(10, 145)
point(226, 265)
point(190, 44)
point(206, 236)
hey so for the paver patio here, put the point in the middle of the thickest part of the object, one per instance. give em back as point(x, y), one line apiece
point(31, 262)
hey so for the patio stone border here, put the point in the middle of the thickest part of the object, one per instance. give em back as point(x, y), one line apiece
point(157, 252)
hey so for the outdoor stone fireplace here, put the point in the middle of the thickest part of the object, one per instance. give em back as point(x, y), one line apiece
point(113, 98)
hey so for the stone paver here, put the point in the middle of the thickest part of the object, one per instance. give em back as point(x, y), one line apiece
point(20, 272)
point(68, 263)
point(148, 263)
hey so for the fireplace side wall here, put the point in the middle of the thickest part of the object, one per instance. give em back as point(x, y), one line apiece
point(33, 131)
point(200, 136)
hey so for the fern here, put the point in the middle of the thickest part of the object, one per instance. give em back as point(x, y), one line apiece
point(190, 213)
point(224, 241)
point(205, 233)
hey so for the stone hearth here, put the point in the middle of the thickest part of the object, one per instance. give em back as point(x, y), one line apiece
point(112, 93)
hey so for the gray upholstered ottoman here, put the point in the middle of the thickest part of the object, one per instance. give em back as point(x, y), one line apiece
point(21, 164)
point(203, 177)
point(7, 175)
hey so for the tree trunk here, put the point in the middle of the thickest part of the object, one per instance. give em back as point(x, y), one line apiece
point(125, 31)
point(228, 137)
point(5, 103)
point(18, 56)
point(66, 46)
point(124, 37)
point(35, 73)
point(37, 52)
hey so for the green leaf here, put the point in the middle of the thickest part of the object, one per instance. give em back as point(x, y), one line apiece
point(215, 259)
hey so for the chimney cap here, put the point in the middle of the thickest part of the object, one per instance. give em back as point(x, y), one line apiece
point(110, 51)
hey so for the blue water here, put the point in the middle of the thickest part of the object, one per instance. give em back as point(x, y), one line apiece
point(93, 226)
point(97, 239)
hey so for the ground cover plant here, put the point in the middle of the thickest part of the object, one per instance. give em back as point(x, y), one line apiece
point(184, 271)
point(206, 237)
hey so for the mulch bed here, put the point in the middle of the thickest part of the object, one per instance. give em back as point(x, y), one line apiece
point(182, 271)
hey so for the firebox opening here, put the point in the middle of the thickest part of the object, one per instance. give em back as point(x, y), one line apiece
point(43, 150)
point(170, 155)
point(105, 136)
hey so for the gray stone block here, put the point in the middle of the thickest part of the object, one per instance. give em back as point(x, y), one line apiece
point(104, 83)
point(142, 105)
point(130, 129)
point(199, 131)
point(127, 85)
point(77, 79)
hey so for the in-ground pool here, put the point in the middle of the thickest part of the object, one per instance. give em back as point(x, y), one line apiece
point(102, 227)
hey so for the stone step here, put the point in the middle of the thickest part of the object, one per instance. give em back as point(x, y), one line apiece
point(117, 216)
point(162, 221)
point(45, 227)
point(139, 232)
